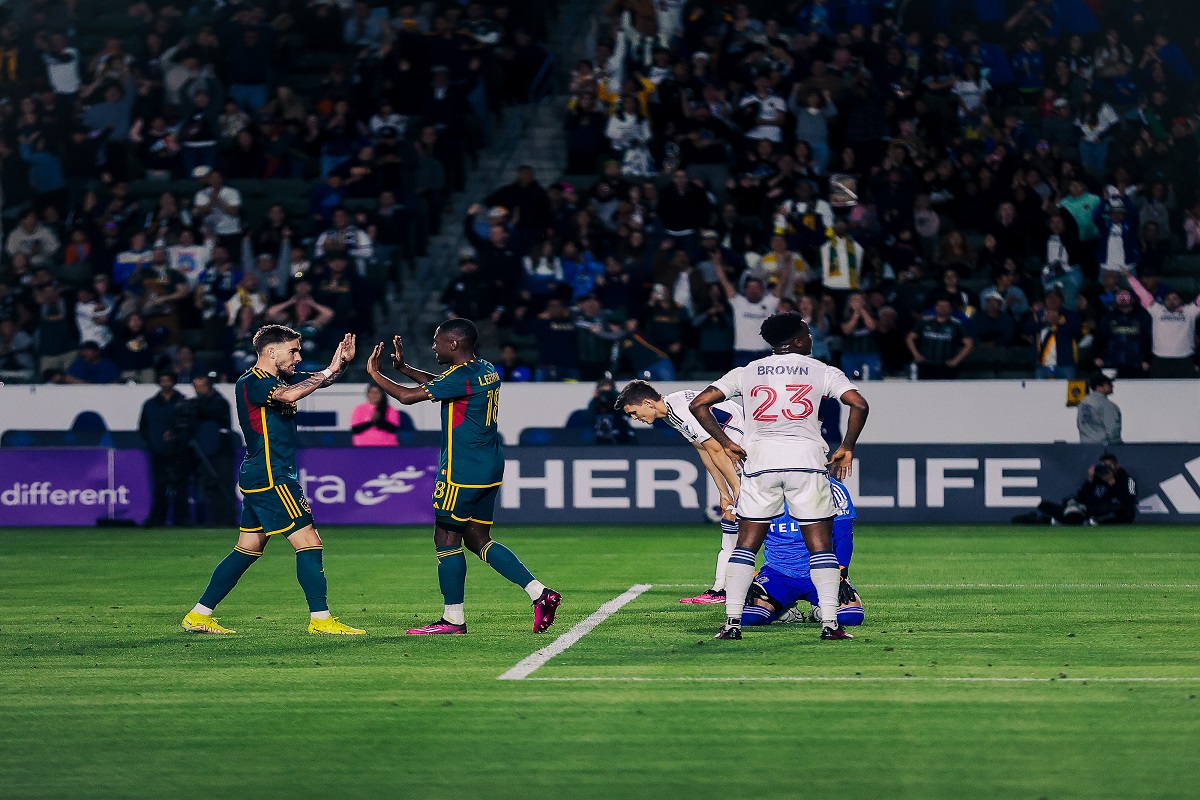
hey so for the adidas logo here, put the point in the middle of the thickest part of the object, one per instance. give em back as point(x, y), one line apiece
point(1178, 490)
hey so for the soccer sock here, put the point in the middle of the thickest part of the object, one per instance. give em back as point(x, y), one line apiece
point(825, 575)
point(729, 530)
point(757, 615)
point(226, 576)
point(311, 574)
point(738, 577)
point(504, 561)
point(452, 578)
point(453, 613)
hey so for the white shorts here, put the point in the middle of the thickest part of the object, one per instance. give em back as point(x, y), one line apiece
point(807, 495)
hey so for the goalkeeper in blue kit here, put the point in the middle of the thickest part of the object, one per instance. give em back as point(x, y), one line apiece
point(784, 579)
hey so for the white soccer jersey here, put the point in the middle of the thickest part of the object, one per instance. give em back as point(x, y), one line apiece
point(781, 395)
point(680, 417)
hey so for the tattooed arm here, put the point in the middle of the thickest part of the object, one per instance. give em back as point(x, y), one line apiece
point(298, 391)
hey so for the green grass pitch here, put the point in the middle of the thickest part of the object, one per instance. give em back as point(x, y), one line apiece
point(103, 696)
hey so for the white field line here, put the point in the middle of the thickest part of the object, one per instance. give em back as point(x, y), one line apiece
point(859, 679)
point(527, 666)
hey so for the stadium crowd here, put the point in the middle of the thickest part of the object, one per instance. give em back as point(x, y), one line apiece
point(981, 188)
point(174, 173)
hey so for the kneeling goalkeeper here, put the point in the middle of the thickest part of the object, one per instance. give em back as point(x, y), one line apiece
point(784, 580)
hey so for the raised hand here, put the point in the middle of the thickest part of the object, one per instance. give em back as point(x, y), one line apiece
point(398, 356)
point(347, 348)
point(375, 359)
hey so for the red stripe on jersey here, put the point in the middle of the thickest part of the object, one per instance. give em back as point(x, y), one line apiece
point(255, 417)
point(459, 412)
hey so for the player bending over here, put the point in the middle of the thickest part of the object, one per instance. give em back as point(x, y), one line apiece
point(643, 402)
point(273, 500)
point(785, 580)
point(784, 460)
point(470, 472)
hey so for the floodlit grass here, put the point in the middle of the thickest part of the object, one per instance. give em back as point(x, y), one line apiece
point(102, 694)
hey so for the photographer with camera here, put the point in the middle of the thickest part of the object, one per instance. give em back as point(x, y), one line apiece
point(609, 423)
point(1107, 497)
point(164, 425)
point(211, 447)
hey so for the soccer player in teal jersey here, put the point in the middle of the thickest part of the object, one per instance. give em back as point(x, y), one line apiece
point(470, 472)
point(274, 502)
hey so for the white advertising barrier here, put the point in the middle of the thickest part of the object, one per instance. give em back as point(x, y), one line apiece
point(902, 412)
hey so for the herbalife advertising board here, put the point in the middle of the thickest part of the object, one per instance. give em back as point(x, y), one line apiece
point(616, 485)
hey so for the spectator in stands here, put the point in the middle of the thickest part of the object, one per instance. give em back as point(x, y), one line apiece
point(134, 349)
point(530, 206)
point(16, 352)
point(93, 315)
point(470, 295)
point(1054, 331)
point(169, 471)
point(860, 356)
point(842, 262)
point(1173, 330)
point(218, 206)
point(750, 307)
point(597, 333)
point(1117, 243)
point(683, 208)
point(511, 367)
point(586, 136)
point(1124, 339)
point(91, 366)
point(992, 325)
point(557, 340)
point(1097, 416)
point(55, 334)
point(939, 343)
point(375, 422)
point(33, 238)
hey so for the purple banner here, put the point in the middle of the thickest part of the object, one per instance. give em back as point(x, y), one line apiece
point(77, 486)
point(71, 486)
point(369, 485)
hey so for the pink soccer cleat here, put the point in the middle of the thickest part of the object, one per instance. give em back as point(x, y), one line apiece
point(709, 597)
point(439, 627)
point(544, 609)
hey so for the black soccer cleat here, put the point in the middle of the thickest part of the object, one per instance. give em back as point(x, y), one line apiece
point(728, 631)
point(836, 632)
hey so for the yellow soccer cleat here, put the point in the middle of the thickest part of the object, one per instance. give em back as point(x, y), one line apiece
point(203, 623)
point(333, 625)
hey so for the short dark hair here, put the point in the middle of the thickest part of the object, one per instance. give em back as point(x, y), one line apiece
point(635, 393)
point(268, 335)
point(462, 329)
point(780, 329)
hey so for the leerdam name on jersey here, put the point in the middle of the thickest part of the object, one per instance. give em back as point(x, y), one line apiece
point(782, 369)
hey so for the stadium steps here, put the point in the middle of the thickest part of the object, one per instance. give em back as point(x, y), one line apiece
point(531, 134)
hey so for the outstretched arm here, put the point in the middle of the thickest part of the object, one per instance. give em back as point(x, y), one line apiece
point(408, 395)
point(701, 408)
point(412, 373)
point(841, 463)
point(298, 391)
point(1143, 296)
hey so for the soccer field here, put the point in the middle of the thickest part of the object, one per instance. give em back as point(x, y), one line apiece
point(994, 662)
